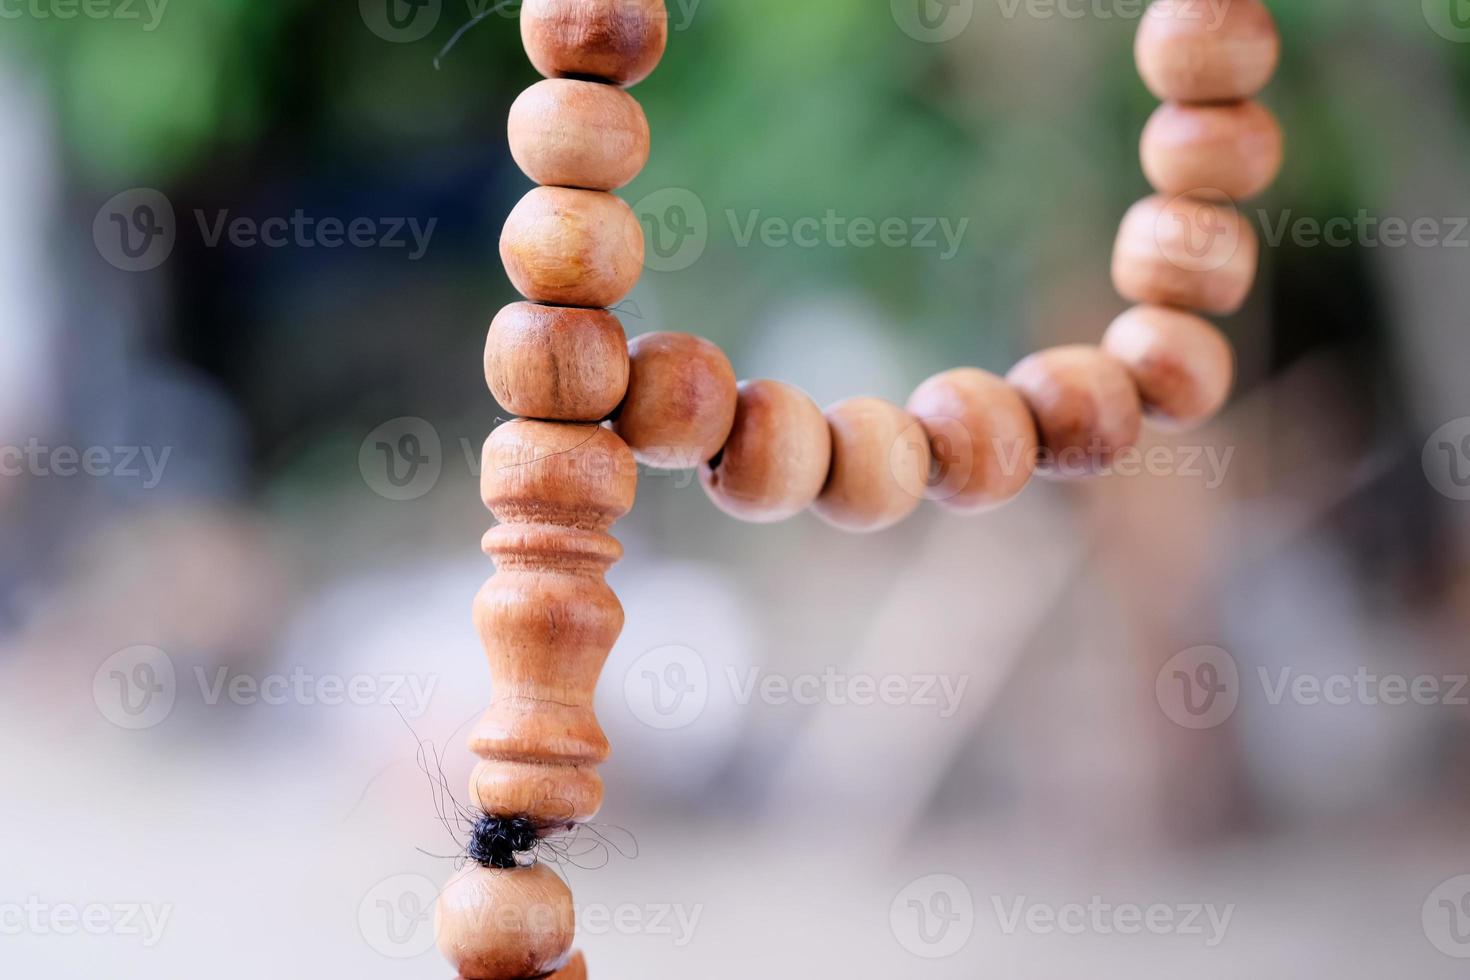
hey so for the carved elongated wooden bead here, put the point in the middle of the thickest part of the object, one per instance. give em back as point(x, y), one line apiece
point(1086, 408)
point(505, 924)
point(681, 400)
point(776, 458)
point(1182, 365)
point(981, 437)
point(547, 618)
point(572, 133)
point(556, 362)
point(1206, 51)
point(1185, 252)
point(572, 247)
point(618, 41)
point(1232, 150)
point(880, 465)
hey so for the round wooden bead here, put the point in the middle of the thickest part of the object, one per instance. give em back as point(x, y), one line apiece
point(1206, 51)
point(880, 465)
point(572, 247)
point(1185, 252)
point(1183, 367)
point(505, 924)
point(1231, 150)
point(572, 133)
point(681, 400)
point(556, 362)
point(981, 437)
point(618, 41)
point(1085, 405)
point(775, 460)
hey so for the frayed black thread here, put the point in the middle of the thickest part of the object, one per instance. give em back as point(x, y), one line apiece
point(506, 842)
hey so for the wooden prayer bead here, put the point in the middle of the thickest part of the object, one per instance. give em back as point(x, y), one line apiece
point(618, 41)
point(880, 465)
point(681, 400)
point(1185, 252)
point(547, 618)
point(1206, 51)
point(572, 247)
point(981, 437)
point(775, 460)
point(1085, 405)
point(1232, 150)
point(572, 133)
point(1183, 367)
point(505, 924)
point(556, 362)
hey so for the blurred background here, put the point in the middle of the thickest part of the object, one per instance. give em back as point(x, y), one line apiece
point(1207, 718)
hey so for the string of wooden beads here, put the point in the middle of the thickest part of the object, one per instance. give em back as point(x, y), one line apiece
point(592, 405)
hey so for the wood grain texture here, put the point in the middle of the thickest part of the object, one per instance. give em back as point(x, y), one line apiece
point(505, 924)
point(681, 400)
point(547, 618)
point(617, 41)
point(1085, 405)
point(572, 247)
point(776, 458)
point(1233, 151)
point(1185, 252)
point(880, 466)
point(572, 133)
point(981, 437)
point(1183, 367)
point(556, 362)
point(1207, 51)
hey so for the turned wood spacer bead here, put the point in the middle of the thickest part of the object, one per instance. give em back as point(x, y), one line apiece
point(548, 472)
point(1185, 252)
point(1183, 367)
point(1205, 51)
point(556, 362)
point(981, 437)
point(1232, 151)
point(681, 400)
point(776, 458)
point(572, 247)
point(619, 41)
point(572, 133)
point(880, 465)
point(505, 924)
point(1085, 405)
